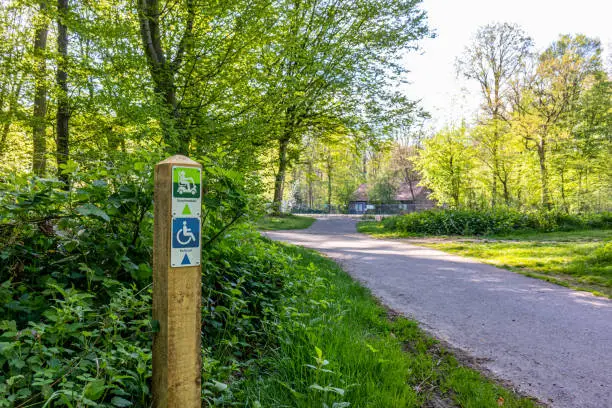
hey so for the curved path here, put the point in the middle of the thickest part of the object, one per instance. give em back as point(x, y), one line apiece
point(548, 341)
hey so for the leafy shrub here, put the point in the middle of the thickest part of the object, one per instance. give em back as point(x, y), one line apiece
point(75, 286)
point(469, 222)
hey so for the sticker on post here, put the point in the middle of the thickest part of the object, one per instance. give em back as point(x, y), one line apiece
point(185, 249)
point(186, 191)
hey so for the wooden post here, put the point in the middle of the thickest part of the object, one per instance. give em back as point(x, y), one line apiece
point(177, 360)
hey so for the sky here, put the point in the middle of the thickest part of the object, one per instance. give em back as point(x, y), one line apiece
point(433, 76)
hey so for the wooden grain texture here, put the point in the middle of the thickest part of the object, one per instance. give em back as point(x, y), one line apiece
point(177, 361)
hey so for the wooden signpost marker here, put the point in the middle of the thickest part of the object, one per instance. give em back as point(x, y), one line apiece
point(177, 360)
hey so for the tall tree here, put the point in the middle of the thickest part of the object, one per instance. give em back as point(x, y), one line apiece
point(13, 70)
point(445, 163)
point(331, 59)
point(551, 93)
point(496, 54)
point(41, 30)
point(63, 107)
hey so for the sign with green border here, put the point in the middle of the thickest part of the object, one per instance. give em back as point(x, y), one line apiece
point(186, 191)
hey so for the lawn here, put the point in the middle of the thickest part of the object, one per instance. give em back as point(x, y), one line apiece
point(579, 264)
point(577, 259)
point(284, 222)
point(340, 348)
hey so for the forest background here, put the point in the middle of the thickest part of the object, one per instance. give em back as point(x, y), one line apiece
point(302, 95)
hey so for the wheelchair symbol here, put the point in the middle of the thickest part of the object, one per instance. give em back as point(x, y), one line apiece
point(184, 235)
point(186, 184)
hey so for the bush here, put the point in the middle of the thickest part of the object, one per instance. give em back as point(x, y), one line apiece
point(469, 222)
point(75, 286)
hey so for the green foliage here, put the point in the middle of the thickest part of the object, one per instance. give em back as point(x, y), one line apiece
point(75, 283)
point(383, 191)
point(445, 164)
point(78, 353)
point(470, 222)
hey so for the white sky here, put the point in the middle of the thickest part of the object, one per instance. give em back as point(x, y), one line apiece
point(433, 78)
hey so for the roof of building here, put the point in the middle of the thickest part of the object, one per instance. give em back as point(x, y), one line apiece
point(405, 193)
point(361, 194)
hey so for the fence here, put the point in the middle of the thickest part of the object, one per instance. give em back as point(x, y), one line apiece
point(374, 209)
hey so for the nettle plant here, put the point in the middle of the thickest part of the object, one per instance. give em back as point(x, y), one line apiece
point(75, 286)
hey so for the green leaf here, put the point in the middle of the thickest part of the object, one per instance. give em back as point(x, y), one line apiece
point(219, 386)
point(120, 402)
point(91, 210)
point(94, 389)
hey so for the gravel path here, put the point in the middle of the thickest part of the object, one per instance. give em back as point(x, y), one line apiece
point(548, 341)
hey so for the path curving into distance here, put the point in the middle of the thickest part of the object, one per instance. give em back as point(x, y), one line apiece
point(549, 341)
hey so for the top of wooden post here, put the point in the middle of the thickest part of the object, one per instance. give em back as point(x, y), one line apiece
point(180, 160)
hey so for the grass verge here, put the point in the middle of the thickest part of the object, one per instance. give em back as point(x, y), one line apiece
point(577, 259)
point(284, 222)
point(338, 348)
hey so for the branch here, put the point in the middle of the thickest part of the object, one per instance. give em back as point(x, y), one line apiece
point(145, 17)
point(187, 39)
point(210, 241)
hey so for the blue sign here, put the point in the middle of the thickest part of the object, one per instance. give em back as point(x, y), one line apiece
point(185, 233)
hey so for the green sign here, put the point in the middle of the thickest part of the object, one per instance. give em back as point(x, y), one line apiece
point(186, 182)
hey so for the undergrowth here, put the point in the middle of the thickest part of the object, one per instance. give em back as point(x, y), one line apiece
point(472, 222)
point(75, 286)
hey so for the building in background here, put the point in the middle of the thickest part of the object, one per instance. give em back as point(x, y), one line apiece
point(407, 198)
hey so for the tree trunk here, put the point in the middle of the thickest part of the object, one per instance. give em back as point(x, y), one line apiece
point(329, 183)
point(494, 190)
point(506, 191)
point(3, 139)
point(12, 108)
point(63, 109)
point(543, 174)
point(563, 198)
point(279, 182)
point(408, 178)
point(310, 187)
point(39, 154)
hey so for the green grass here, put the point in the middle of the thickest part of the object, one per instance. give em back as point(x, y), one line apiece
point(284, 222)
point(563, 236)
point(378, 230)
point(577, 259)
point(580, 264)
point(339, 347)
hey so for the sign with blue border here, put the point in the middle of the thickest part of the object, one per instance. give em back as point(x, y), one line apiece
point(186, 246)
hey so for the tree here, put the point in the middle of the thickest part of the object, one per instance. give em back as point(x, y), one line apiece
point(13, 52)
point(550, 93)
point(164, 66)
point(330, 60)
point(445, 163)
point(62, 118)
point(496, 55)
point(39, 137)
point(403, 166)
